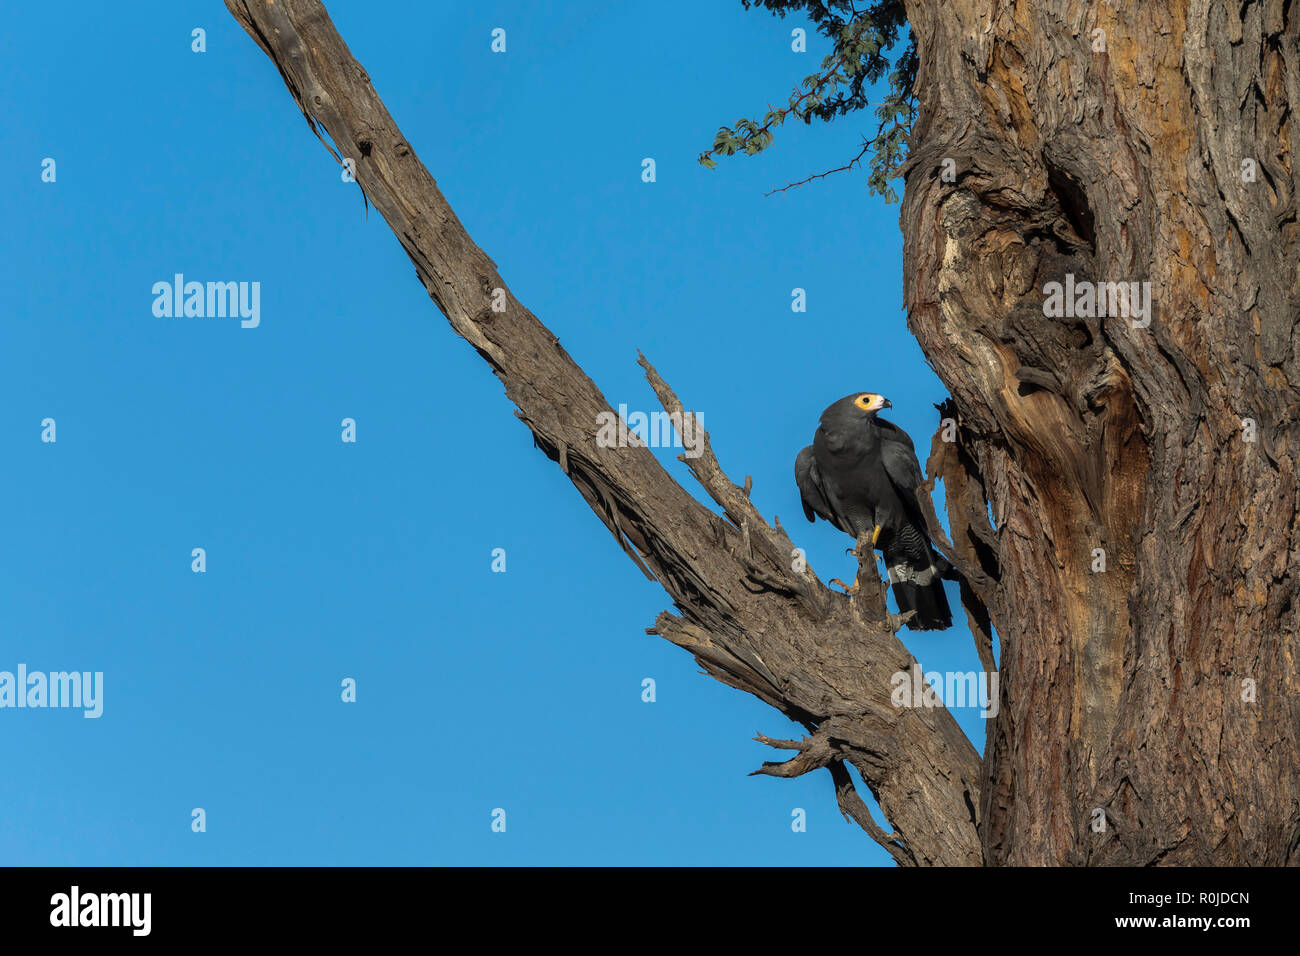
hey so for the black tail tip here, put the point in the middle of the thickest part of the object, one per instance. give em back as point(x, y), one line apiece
point(929, 602)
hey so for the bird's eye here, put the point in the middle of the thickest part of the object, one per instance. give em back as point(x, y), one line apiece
point(864, 401)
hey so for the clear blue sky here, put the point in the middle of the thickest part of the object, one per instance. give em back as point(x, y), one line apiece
point(373, 560)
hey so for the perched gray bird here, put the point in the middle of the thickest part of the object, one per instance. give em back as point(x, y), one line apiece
point(861, 474)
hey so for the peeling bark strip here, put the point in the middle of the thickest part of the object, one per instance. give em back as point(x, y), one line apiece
point(1121, 142)
point(747, 617)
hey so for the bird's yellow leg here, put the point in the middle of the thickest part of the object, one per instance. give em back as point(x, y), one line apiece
point(874, 535)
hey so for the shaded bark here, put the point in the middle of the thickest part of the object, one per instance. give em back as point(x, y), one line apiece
point(1123, 690)
point(752, 616)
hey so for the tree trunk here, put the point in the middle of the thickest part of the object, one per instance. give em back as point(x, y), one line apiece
point(1163, 689)
point(1122, 689)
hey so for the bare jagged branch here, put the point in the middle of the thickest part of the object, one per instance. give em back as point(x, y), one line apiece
point(790, 642)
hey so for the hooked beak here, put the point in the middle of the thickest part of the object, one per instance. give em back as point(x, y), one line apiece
point(885, 403)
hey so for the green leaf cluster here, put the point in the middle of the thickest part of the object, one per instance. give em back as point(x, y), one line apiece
point(863, 41)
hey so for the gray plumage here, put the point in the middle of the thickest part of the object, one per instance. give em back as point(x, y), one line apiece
point(860, 473)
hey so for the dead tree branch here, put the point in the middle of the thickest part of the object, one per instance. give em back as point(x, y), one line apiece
point(747, 616)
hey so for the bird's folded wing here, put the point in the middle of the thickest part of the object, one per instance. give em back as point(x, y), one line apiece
point(811, 490)
point(899, 458)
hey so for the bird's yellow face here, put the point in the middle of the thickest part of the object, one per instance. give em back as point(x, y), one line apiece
point(871, 402)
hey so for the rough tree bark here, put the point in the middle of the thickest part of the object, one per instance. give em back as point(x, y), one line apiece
point(1121, 690)
point(1118, 156)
